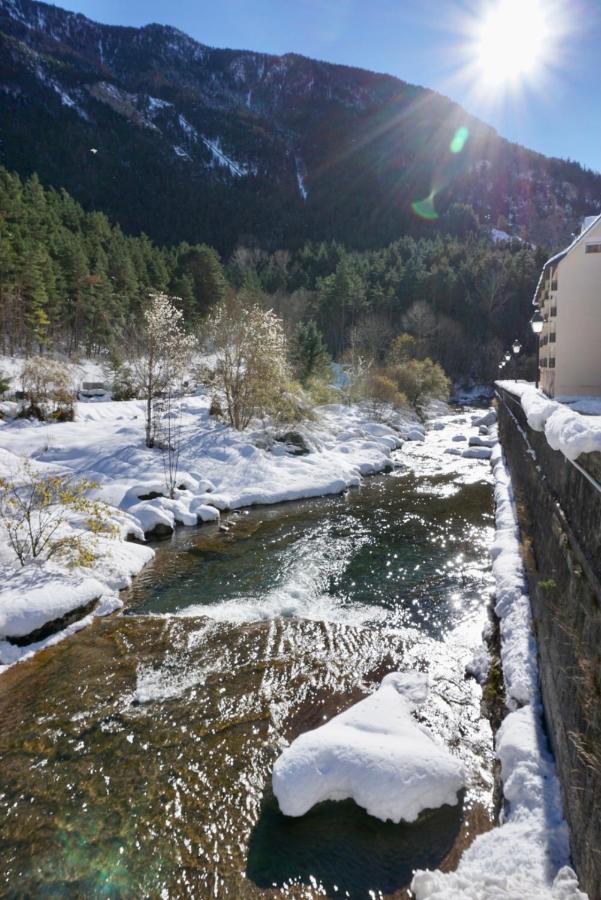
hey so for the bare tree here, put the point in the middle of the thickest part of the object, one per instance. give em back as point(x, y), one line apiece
point(166, 351)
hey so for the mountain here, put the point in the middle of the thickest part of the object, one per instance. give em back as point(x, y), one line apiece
point(187, 142)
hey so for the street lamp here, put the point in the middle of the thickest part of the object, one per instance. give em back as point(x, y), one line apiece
point(516, 347)
point(536, 324)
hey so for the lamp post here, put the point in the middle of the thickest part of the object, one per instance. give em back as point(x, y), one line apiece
point(536, 324)
point(516, 347)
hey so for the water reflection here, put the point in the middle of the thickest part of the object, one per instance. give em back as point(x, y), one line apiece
point(339, 848)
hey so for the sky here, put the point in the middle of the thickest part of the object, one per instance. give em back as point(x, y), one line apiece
point(529, 68)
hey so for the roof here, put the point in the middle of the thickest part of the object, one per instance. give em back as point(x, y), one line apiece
point(588, 223)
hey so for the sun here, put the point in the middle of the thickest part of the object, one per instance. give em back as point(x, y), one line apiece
point(511, 42)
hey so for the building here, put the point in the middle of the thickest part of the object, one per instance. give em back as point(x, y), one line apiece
point(568, 295)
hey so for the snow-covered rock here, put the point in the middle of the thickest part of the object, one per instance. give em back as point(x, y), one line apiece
point(478, 441)
point(374, 753)
point(477, 453)
point(488, 419)
point(30, 600)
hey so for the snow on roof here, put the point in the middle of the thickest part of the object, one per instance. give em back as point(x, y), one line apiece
point(587, 223)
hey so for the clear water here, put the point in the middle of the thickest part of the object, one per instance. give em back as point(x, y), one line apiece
point(135, 757)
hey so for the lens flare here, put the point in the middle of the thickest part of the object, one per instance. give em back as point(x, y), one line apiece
point(425, 208)
point(459, 139)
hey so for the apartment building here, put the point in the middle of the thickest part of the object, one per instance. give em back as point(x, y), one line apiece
point(568, 295)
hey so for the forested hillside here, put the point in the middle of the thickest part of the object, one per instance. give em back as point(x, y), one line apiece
point(187, 142)
point(71, 281)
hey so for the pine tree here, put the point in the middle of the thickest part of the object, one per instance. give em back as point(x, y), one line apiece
point(309, 352)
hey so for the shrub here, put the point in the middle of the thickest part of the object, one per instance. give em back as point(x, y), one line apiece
point(124, 386)
point(35, 509)
point(4, 383)
point(382, 392)
point(420, 380)
point(48, 388)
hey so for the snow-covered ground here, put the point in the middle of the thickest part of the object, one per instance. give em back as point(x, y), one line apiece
point(220, 469)
point(566, 429)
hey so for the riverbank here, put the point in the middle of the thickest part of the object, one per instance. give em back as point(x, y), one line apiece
point(219, 470)
point(528, 853)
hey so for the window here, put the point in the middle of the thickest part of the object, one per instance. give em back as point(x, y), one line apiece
point(593, 247)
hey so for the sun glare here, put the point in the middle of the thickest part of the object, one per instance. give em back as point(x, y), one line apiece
point(511, 42)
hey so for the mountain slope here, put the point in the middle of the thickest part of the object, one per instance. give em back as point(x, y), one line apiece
point(187, 142)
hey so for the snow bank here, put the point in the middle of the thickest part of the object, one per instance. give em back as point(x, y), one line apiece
point(374, 753)
point(220, 468)
point(26, 605)
point(565, 429)
point(528, 854)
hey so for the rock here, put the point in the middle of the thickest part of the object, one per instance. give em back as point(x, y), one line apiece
point(415, 434)
point(489, 419)
point(295, 443)
point(478, 441)
point(160, 530)
point(477, 453)
point(151, 495)
point(484, 429)
point(215, 408)
point(454, 451)
point(459, 437)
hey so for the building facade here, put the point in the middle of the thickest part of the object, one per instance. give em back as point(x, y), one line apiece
point(568, 295)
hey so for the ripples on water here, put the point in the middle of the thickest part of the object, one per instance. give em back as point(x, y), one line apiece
point(136, 757)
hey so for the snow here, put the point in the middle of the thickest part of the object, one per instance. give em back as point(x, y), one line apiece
point(528, 853)
point(237, 169)
point(374, 753)
point(301, 174)
point(26, 606)
point(499, 236)
point(221, 469)
point(566, 430)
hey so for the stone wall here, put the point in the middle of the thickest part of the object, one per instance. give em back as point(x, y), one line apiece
point(560, 519)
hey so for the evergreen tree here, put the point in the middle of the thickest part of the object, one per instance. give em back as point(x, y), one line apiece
point(309, 352)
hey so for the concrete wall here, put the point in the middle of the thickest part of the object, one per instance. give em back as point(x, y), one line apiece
point(560, 519)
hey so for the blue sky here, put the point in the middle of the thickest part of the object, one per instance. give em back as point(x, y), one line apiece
point(556, 111)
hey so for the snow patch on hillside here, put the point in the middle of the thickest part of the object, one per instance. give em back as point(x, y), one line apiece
point(301, 174)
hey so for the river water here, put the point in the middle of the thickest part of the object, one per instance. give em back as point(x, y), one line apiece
point(136, 755)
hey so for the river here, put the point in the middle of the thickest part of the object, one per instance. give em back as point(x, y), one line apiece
point(136, 755)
